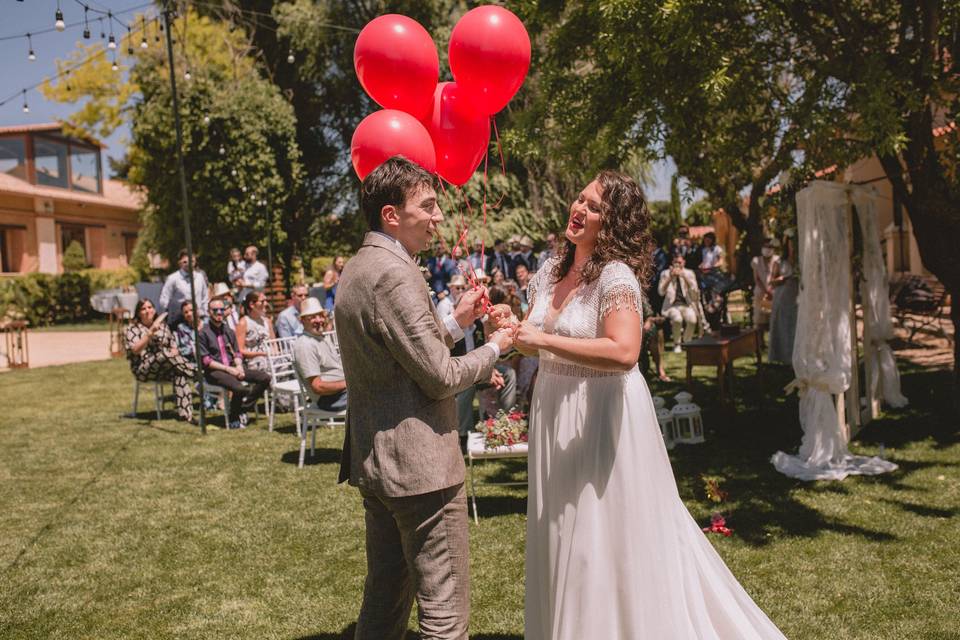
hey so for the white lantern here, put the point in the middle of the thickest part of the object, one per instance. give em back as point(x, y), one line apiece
point(658, 402)
point(687, 421)
point(665, 419)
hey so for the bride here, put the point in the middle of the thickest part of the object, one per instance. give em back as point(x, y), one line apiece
point(612, 553)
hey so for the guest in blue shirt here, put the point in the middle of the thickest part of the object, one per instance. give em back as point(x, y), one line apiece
point(288, 323)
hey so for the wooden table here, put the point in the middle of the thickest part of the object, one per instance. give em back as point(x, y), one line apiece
point(720, 352)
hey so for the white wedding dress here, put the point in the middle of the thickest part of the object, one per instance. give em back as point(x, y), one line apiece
point(612, 552)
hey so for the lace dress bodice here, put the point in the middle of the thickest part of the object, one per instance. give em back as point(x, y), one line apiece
point(583, 315)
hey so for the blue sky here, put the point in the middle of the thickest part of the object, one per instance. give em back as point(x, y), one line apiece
point(37, 15)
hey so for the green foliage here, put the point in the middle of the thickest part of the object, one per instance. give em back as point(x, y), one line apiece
point(43, 299)
point(319, 266)
point(699, 213)
point(74, 257)
point(243, 169)
point(111, 278)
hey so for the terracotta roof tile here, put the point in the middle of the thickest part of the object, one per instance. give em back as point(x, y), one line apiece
point(115, 193)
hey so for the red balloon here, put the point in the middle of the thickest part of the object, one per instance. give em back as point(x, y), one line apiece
point(489, 56)
point(397, 64)
point(460, 135)
point(387, 133)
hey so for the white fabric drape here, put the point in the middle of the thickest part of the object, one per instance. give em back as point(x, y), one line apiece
point(876, 302)
point(822, 351)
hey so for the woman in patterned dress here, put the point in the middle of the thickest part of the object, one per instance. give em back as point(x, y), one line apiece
point(153, 354)
point(253, 331)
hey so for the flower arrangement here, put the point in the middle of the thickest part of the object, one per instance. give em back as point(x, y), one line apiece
point(718, 524)
point(505, 429)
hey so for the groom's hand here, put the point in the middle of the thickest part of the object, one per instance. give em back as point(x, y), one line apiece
point(503, 339)
point(470, 307)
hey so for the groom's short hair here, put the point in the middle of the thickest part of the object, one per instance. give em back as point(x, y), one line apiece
point(391, 183)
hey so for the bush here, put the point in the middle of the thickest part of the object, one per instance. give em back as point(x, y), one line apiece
point(74, 258)
point(319, 266)
point(44, 299)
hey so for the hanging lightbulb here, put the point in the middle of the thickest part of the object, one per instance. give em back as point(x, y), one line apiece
point(222, 150)
point(60, 25)
point(86, 24)
point(115, 66)
point(186, 75)
point(26, 107)
point(112, 42)
point(143, 29)
point(31, 56)
point(233, 172)
point(102, 34)
point(243, 188)
point(66, 76)
point(290, 58)
point(143, 44)
point(129, 42)
point(206, 119)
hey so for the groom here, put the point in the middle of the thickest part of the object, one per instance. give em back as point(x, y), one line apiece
point(401, 447)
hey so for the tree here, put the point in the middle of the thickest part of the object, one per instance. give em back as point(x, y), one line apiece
point(241, 167)
point(699, 213)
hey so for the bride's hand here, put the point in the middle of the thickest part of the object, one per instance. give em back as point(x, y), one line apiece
point(528, 339)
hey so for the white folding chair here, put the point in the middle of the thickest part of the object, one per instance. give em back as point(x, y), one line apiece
point(283, 378)
point(157, 394)
point(224, 394)
point(312, 418)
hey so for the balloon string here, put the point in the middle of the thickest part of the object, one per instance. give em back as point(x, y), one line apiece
point(503, 164)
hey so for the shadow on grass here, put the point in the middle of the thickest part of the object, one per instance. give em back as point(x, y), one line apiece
point(493, 506)
point(320, 456)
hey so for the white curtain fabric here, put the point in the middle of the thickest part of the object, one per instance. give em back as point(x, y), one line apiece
point(822, 351)
point(876, 302)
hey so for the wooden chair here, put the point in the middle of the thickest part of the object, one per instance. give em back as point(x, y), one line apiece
point(918, 302)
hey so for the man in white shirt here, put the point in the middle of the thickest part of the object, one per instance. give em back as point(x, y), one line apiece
point(681, 301)
point(288, 321)
point(255, 274)
point(176, 289)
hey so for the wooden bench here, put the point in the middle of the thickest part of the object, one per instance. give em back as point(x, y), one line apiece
point(918, 302)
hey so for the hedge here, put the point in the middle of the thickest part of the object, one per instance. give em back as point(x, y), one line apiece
point(44, 299)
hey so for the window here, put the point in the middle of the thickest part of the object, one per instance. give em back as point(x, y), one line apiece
point(84, 169)
point(13, 157)
point(50, 158)
point(129, 245)
point(11, 248)
point(73, 233)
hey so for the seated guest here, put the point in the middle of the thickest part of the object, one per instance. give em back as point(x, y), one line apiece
point(681, 301)
point(288, 322)
point(317, 361)
point(223, 366)
point(253, 331)
point(153, 354)
point(184, 331)
point(222, 292)
point(523, 277)
point(713, 281)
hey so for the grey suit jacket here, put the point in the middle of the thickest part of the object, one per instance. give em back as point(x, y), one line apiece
point(401, 433)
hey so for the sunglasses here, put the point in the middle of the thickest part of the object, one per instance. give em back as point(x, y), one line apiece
point(217, 312)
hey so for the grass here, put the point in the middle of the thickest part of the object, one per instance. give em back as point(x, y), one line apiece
point(137, 528)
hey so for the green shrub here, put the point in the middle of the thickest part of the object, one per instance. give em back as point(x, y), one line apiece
point(319, 266)
point(74, 258)
point(44, 299)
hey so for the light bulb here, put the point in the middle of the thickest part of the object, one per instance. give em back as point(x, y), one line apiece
point(115, 66)
point(222, 151)
point(26, 109)
point(290, 57)
point(233, 172)
point(186, 74)
point(31, 56)
point(86, 34)
point(143, 44)
point(206, 119)
point(60, 24)
point(111, 43)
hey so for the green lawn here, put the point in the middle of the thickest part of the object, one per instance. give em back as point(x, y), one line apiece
point(131, 528)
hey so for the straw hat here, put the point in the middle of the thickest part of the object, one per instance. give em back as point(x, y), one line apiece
point(310, 307)
point(525, 241)
point(480, 275)
point(457, 280)
point(219, 290)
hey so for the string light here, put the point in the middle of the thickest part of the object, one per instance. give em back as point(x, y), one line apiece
point(102, 34)
point(112, 42)
point(115, 66)
point(31, 56)
point(156, 31)
point(222, 150)
point(129, 42)
point(290, 58)
point(186, 75)
point(26, 107)
point(66, 76)
point(86, 24)
point(59, 25)
point(206, 120)
point(143, 28)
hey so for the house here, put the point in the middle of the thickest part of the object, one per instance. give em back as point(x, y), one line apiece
point(52, 192)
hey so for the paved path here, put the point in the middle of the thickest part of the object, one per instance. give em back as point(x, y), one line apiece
point(64, 347)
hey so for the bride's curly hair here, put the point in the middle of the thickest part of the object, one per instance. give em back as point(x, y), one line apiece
point(624, 234)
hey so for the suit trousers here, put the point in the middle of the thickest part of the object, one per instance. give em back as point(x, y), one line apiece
point(417, 547)
point(246, 392)
point(682, 315)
